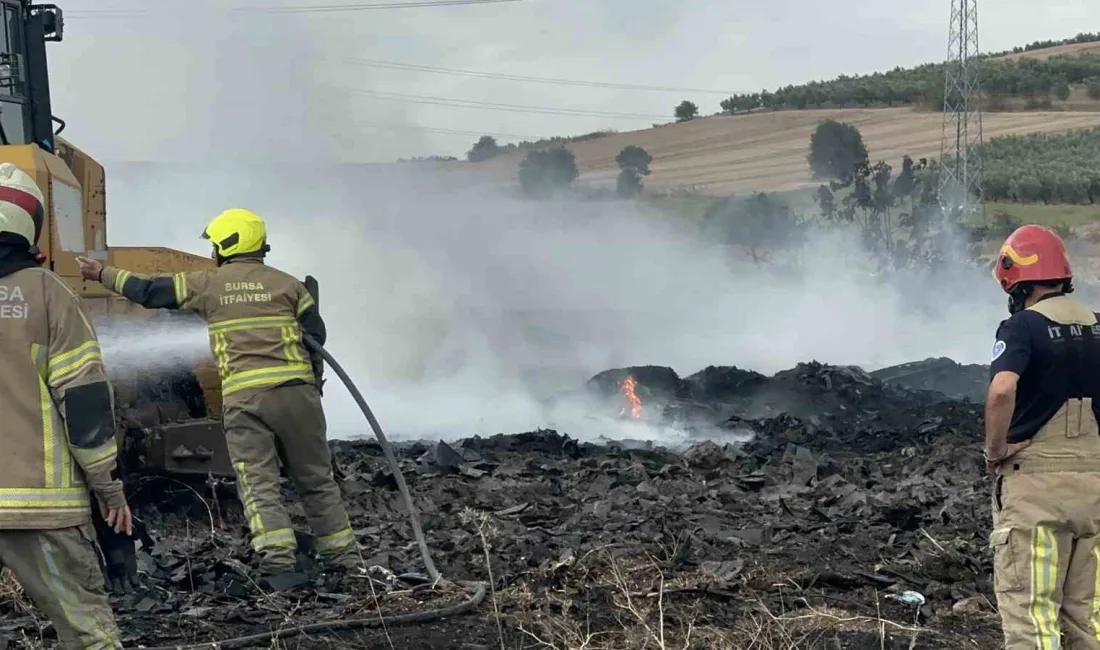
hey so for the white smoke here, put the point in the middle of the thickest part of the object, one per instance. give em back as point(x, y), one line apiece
point(459, 310)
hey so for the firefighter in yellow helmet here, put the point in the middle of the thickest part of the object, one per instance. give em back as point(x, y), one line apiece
point(271, 397)
point(59, 433)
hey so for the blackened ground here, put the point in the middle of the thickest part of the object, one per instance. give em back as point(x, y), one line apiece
point(857, 518)
point(940, 374)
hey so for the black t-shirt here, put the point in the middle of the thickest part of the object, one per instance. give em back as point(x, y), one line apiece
point(1055, 362)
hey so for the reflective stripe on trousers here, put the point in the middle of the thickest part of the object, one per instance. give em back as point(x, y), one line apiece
point(337, 541)
point(1046, 528)
point(91, 631)
point(262, 539)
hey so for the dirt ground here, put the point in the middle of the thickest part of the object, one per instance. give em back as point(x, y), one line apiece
point(856, 518)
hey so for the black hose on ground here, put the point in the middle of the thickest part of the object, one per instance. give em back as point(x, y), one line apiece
point(414, 515)
point(464, 607)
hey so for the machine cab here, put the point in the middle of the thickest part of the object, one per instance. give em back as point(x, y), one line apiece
point(71, 182)
point(25, 111)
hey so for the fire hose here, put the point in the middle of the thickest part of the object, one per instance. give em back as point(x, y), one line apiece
point(414, 515)
point(469, 605)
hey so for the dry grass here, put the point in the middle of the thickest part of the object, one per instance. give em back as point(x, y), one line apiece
point(724, 155)
point(12, 595)
point(486, 531)
point(646, 614)
point(11, 592)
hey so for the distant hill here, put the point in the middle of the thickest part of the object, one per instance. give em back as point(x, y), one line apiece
point(1083, 43)
point(761, 140)
point(725, 155)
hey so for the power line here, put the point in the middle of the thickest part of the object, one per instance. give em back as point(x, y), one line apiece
point(305, 9)
point(412, 67)
point(512, 108)
point(429, 129)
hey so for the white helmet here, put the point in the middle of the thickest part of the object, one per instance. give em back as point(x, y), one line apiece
point(22, 208)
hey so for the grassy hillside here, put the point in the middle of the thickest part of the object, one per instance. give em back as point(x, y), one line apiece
point(725, 155)
point(1043, 74)
point(761, 142)
point(1043, 167)
point(1040, 81)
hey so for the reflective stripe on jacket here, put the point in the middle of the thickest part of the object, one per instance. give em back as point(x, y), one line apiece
point(58, 421)
point(255, 314)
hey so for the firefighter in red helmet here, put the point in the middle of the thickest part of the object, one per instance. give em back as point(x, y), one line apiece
point(1043, 446)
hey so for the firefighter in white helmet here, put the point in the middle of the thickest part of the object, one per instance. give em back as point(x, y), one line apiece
point(59, 434)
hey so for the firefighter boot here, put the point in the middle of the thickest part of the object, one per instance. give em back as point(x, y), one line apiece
point(345, 559)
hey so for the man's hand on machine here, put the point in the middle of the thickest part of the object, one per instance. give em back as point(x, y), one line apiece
point(90, 269)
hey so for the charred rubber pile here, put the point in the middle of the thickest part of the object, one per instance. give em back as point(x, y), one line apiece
point(856, 516)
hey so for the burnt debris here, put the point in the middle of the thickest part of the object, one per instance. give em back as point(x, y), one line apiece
point(856, 516)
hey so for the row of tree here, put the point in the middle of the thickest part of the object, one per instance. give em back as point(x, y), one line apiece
point(1083, 37)
point(1048, 168)
point(1040, 167)
point(1036, 81)
point(896, 215)
point(896, 212)
point(487, 146)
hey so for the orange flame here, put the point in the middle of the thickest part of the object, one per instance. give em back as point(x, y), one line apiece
point(627, 386)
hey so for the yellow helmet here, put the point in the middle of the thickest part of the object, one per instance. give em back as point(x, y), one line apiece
point(237, 232)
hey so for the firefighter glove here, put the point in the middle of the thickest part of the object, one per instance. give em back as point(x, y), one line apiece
point(119, 557)
point(121, 569)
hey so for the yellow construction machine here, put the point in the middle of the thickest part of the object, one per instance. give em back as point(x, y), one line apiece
point(171, 420)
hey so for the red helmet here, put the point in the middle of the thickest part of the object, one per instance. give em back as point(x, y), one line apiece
point(1031, 254)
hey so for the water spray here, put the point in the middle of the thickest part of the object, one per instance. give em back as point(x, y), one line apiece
point(163, 342)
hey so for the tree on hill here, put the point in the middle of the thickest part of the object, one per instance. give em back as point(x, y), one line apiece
point(760, 224)
point(1094, 89)
point(836, 151)
point(686, 111)
point(1084, 37)
point(1061, 88)
point(633, 164)
point(546, 171)
point(1043, 167)
point(484, 149)
point(899, 218)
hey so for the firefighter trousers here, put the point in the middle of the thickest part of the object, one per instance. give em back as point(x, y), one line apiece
point(59, 570)
point(1045, 545)
point(286, 423)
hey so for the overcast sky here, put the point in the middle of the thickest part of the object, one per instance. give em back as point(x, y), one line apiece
point(207, 85)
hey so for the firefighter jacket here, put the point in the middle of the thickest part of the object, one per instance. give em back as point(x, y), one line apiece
point(255, 315)
point(58, 421)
